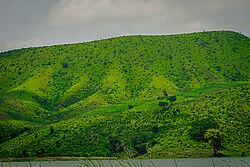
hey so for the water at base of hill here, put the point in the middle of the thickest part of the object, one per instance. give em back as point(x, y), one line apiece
point(176, 162)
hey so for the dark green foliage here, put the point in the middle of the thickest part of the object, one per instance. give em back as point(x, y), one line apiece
point(51, 130)
point(65, 65)
point(70, 100)
point(155, 129)
point(130, 106)
point(163, 104)
point(40, 152)
point(139, 146)
point(24, 153)
point(172, 98)
point(176, 111)
point(140, 141)
point(115, 145)
point(9, 131)
point(200, 126)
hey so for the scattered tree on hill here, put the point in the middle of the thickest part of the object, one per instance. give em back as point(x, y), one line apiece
point(163, 104)
point(65, 65)
point(130, 106)
point(51, 130)
point(40, 152)
point(215, 137)
point(200, 126)
point(138, 143)
point(175, 111)
point(24, 153)
point(155, 129)
point(115, 145)
point(172, 98)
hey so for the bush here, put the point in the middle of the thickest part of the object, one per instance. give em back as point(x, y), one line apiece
point(130, 106)
point(172, 98)
point(163, 104)
point(65, 65)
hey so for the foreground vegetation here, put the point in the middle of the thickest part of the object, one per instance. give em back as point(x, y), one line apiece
point(135, 96)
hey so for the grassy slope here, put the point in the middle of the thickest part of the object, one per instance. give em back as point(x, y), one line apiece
point(90, 133)
point(114, 70)
point(51, 84)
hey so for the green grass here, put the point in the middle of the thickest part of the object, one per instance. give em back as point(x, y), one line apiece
point(104, 98)
point(89, 134)
point(210, 89)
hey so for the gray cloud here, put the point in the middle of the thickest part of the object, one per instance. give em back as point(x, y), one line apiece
point(85, 12)
point(166, 16)
point(68, 21)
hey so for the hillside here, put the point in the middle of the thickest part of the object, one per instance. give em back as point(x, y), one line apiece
point(96, 96)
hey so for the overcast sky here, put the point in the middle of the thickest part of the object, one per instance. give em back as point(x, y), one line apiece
point(25, 23)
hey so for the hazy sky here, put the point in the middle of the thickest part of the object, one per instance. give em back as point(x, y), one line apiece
point(25, 23)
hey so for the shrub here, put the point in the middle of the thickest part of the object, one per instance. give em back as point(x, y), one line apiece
point(172, 98)
point(65, 64)
point(130, 106)
point(163, 104)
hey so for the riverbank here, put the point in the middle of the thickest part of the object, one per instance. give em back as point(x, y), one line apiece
point(30, 159)
point(174, 162)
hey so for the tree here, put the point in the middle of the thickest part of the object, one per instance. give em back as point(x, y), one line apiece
point(172, 98)
point(215, 137)
point(163, 104)
point(115, 145)
point(65, 65)
point(138, 143)
point(130, 106)
point(40, 152)
point(200, 126)
point(175, 111)
point(51, 130)
point(155, 129)
point(24, 153)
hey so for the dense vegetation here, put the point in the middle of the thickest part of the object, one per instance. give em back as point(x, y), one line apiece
point(147, 96)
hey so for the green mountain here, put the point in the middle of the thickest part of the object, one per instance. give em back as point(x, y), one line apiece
point(147, 96)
